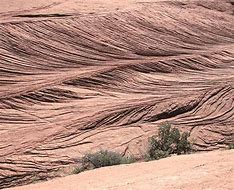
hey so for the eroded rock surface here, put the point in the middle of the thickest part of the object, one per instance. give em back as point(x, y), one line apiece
point(75, 79)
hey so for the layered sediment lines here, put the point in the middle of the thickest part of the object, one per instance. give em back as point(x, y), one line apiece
point(77, 84)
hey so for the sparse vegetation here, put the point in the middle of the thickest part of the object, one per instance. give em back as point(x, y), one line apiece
point(231, 146)
point(102, 159)
point(168, 141)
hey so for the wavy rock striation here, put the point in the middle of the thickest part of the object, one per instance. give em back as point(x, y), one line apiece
point(76, 84)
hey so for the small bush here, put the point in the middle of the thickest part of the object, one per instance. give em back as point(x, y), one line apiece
point(168, 141)
point(102, 159)
point(231, 146)
point(79, 170)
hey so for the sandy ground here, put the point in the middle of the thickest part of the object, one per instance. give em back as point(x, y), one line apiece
point(202, 171)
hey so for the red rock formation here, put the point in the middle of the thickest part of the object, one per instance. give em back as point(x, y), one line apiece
point(75, 84)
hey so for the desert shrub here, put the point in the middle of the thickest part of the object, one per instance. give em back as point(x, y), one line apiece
point(231, 146)
point(183, 146)
point(168, 141)
point(78, 170)
point(102, 159)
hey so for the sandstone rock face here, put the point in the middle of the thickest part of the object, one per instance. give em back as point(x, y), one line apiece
point(78, 77)
point(213, 170)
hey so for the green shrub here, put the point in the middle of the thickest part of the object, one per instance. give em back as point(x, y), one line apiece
point(184, 146)
point(168, 141)
point(78, 170)
point(231, 146)
point(102, 159)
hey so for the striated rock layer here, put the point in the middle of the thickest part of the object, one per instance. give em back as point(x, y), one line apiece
point(74, 82)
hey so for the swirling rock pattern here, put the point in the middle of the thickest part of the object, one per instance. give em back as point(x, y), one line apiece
point(73, 82)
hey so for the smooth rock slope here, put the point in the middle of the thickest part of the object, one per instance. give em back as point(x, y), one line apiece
point(213, 170)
